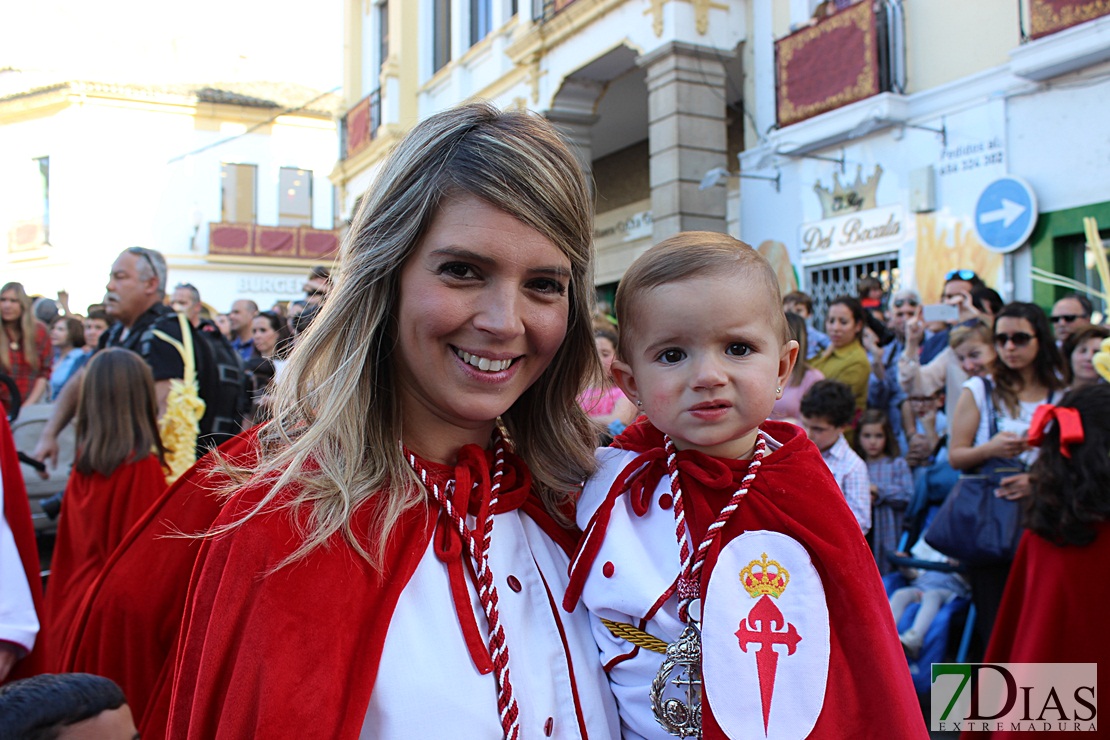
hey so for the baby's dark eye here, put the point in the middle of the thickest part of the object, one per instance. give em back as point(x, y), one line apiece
point(671, 356)
point(739, 349)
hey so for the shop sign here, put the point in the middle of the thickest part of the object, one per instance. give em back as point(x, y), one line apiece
point(267, 284)
point(849, 197)
point(621, 225)
point(853, 235)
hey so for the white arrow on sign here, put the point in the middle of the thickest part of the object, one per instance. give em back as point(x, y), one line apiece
point(1007, 214)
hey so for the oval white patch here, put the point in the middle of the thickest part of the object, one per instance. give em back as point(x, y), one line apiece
point(783, 665)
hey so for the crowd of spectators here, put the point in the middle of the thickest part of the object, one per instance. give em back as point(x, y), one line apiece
point(135, 341)
point(924, 387)
point(46, 344)
point(897, 402)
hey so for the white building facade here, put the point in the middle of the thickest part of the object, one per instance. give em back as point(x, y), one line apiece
point(840, 138)
point(95, 168)
point(892, 182)
point(643, 89)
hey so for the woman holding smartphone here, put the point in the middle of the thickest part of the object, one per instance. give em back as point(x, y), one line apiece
point(1025, 374)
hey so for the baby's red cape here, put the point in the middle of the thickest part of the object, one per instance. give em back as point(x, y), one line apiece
point(869, 692)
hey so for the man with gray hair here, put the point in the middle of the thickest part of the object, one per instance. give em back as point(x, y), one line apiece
point(136, 288)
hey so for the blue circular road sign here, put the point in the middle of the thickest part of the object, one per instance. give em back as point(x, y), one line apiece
point(1005, 214)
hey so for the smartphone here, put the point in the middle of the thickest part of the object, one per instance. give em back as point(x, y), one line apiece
point(940, 312)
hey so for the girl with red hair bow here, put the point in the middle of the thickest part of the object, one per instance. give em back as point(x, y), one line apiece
point(1054, 600)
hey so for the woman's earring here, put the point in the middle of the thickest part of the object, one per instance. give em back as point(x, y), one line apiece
point(639, 403)
point(779, 389)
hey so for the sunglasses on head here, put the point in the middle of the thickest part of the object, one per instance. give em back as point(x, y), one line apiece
point(1019, 338)
point(899, 302)
point(1067, 318)
point(959, 275)
point(140, 251)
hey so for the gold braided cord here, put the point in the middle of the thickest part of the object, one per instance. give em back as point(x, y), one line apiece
point(180, 424)
point(636, 636)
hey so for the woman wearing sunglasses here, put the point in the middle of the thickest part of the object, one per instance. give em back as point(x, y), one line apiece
point(1025, 373)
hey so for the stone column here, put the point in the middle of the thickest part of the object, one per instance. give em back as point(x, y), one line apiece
point(572, 113)
point(687, 137)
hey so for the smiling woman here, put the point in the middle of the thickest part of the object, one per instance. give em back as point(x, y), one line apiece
point(425, 428)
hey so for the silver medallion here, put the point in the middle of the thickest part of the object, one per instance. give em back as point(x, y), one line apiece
point(681, 668)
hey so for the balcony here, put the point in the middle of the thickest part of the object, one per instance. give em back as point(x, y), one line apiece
point(359, 126)
point(1065, 37)
point(260, 243)
point(1049, 16)
point(544, 10)
point(841, 59)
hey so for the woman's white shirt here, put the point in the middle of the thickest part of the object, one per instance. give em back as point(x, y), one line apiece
point(427, 685)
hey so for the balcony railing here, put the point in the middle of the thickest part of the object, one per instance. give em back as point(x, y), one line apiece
point(544, 10)
point(1049, 16)
point(359, 125)
point(840, 59)
point(272, 242)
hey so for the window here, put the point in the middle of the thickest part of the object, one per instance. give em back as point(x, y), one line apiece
point(294, 197)
point(441, 28)
point(1083, 268)
point(480, 20)
point(383, 36)
point(44, 188)
point(828, 281)
point(238, 183)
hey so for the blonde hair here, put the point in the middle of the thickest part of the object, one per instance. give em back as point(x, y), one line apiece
point(688, 255)
point(336, 416)
point(977, 329)
point(27, 333)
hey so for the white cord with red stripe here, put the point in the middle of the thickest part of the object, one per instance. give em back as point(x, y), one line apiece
point(487, 591)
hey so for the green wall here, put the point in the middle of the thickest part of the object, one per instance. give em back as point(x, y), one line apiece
point(1051, 240)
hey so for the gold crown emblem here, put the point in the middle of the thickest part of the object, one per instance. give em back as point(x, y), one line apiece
point(849, 197)
point(764, 576)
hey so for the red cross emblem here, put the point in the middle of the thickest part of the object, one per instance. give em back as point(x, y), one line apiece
point(764, 625)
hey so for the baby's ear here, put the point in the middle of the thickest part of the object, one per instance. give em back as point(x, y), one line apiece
point(622, 373)
point(787, 358)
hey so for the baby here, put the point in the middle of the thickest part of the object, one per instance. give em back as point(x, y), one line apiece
point(732, 593)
